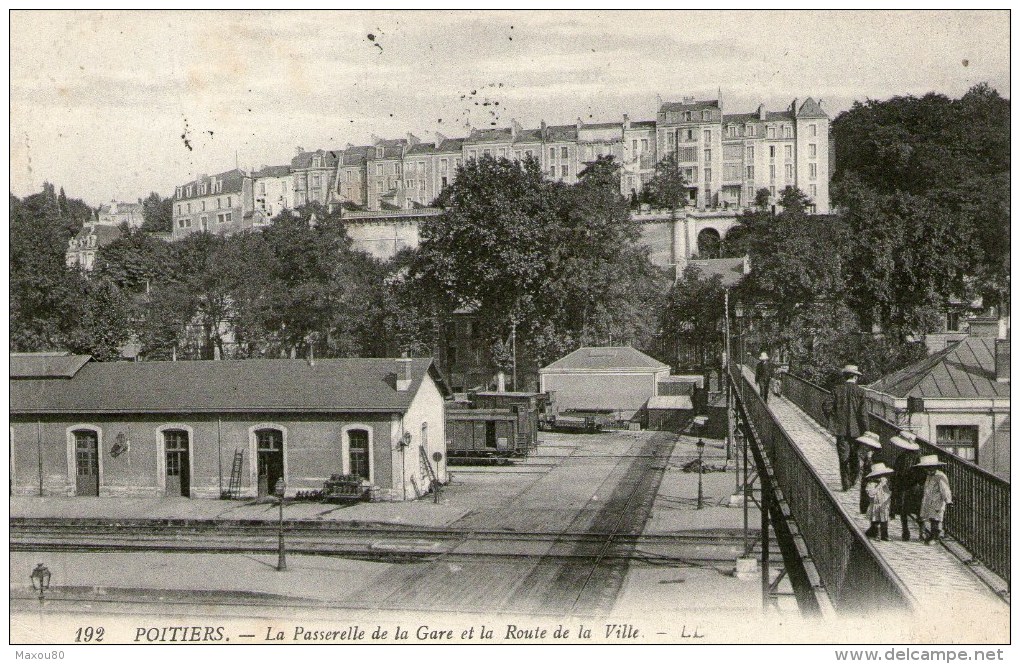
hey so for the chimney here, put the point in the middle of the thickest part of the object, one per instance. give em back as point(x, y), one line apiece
point(542, 126)
point(626, 122)
point(501, 382)
point(1002, 360)
point(515, 129)
point(412, 139)
point(761, 112)
point(579, 123)
point(440, 139)
point(403, 373)
point(793, 106)
point(984, 326)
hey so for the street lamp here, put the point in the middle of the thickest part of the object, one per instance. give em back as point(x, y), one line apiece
point(280, 491)
point(699, 422)
point(41, 573)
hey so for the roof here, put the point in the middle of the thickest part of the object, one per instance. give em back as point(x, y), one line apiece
point(388, 151)
point(529, 136)
point(105, 234)
point(272, 172)
point(46, 365)
point(730, 270)
point(602, 125)
point(740, 117)
point(122, 208)
point(451, 145)
point(422, 148)
point(771, 116)
point(674, 402)
point(689, 106)
point(605, 358)
point(965, 370)
point(340, 385)
point(489, 136)
point(643, 124)
point(811, 109)
point(561, 132)
point(232, 180)
point(304, 159)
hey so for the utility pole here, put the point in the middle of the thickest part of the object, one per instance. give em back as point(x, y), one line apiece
point(513, 349)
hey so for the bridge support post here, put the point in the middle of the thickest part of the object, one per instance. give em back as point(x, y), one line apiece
point(766, 594)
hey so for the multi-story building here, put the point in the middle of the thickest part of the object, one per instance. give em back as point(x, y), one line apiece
point(351, 184)
point(639, 155)
point(314, 174)
point(419, 175)
point(273, 192)
point(220, 204)
point(82, 248)
point(116, 213)
point(384, 173)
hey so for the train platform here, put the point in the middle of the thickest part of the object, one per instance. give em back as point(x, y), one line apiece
point(936, 576)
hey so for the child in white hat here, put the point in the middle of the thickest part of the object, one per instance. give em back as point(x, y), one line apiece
point(880, 494)
point(937, 496)
point(869, 445)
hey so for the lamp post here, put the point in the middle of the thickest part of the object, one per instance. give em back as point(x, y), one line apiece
point(40, 574)
point(699, 422)
point(280, 491)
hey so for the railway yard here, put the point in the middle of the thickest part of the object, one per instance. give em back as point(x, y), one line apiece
point(590, 526)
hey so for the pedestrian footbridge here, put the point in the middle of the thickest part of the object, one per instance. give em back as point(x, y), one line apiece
point(833, 567)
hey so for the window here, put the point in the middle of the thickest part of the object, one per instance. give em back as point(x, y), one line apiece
point(812, 130)
point(552, 171)
point(772, 172)
point(486, 153)
point(378, 169)
point(812, 151)
point(202, 189)
point(316, 181)
point(750, 172)
point(772, 191)
point(189, 208)
point(633, 145)
point(789, 172)
point(564, 170)
point(812, 171)
point(203, 206)
point(518, 155)
point(708, 156)
point(502, 152)
point(230, 202)
point(204, 224)
point(813, 190)
point(772, 152)
point(732, 152)
point(772, 132)
point(788, 152)
point(350, 176)
point(563, 152)
point(316, 161)
point(688, 135)
point(180, 210)
point(787, 131)
point(731, 131)
point(708, 136)
point(529, 153)
point(750, 153)
point(644, 144)
point(706, 115)
point(688, 154)
point(731, 171)
point(669, 139)
point(552, 153)
point(750, 130)
point(178, 192)
point(445, 181)
point(960, 440)
point(228, 217)
point(444, 165)
point(708, 175)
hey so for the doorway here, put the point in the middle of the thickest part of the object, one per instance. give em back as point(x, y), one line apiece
point(270, 460)
point(357, 450)
point(86, 457)
point(178, 463)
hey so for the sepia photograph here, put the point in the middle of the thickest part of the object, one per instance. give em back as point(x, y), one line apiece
point(470, 327)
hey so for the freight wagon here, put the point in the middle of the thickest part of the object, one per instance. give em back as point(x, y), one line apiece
point(494, 424)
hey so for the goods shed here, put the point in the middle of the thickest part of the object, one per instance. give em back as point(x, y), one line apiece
point(614, 379)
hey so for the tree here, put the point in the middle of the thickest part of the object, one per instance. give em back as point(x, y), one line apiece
point(157, 214)
point(667, 189)
point(692, 320)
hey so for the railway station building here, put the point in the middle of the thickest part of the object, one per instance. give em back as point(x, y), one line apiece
point(151, 429)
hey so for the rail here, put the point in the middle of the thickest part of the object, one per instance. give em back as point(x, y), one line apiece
point(854, 575)
point(979, 516)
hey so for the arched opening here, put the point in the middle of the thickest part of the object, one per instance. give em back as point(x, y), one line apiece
point(709, 243)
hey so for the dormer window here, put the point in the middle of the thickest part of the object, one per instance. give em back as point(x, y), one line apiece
point(317, 161)
point(379, 152)
point(706, 115)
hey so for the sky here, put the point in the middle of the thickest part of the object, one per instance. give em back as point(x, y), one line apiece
point(113, 105)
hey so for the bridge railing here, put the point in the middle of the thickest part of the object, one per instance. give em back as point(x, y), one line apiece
point(856, 578)
point(979, 516)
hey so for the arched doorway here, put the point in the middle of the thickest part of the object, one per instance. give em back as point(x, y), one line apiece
point(709, 243)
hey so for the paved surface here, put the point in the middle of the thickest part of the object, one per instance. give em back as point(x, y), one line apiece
point(936, 578)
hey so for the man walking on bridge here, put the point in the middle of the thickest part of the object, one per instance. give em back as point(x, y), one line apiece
point(849, 420)
point(763, 376)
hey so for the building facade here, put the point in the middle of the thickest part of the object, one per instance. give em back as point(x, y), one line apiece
point(314, 174)
point(154, 429)
point(82, 248)
point(273, 192)
point(221, 204)
point(116, 213)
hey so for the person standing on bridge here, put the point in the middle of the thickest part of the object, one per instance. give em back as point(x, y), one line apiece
point(881, 496)
point(763, 375)
point(846, 410)
point(936, 498)
point(907, 481)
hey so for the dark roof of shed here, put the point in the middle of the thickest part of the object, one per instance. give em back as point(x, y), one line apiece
point(46, 365)
point(340, 385)
point(606, 357)
point(965, 370)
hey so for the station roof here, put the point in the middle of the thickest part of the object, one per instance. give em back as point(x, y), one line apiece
point(965, 370)
point(606, 358)
point(46, 365)
point(256, 385)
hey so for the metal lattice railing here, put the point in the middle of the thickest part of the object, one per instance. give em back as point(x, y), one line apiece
point(979, 516)
point(855, 576)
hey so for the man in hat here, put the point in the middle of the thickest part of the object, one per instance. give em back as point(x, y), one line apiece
point(936, 498)
point(849, 420)
point(763, 375)
point(907, 481)
point(880, 495)
point(869, 445)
